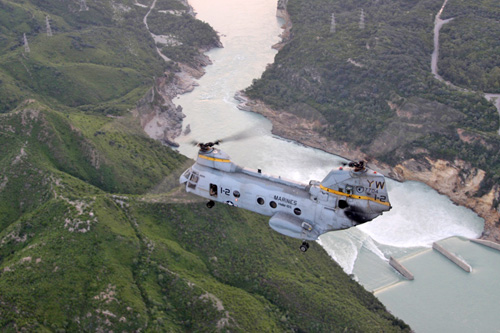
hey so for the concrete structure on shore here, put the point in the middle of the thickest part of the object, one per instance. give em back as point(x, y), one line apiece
point(401, 269)
point(487, 243)
point(458, 261)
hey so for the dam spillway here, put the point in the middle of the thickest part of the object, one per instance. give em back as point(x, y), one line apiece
point(452, 257)
point(401, 269)
point(487, 243)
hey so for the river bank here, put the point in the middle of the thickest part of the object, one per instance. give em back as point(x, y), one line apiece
point(159, 117)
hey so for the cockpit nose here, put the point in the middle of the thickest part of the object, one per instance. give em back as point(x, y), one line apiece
point(185, 176)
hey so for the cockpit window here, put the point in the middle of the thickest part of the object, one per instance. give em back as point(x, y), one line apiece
point(193, 180)
point(194, 177)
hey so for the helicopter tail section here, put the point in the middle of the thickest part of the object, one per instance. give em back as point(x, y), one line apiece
point(293, 226)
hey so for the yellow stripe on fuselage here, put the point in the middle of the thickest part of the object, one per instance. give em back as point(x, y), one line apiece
point(354, 196)
point(214, 159)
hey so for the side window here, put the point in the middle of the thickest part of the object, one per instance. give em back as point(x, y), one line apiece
point(213, 190)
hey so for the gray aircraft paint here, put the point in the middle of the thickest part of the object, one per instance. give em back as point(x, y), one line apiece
point(347, 196)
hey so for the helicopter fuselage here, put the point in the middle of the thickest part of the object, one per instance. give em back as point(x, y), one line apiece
point(348, 196)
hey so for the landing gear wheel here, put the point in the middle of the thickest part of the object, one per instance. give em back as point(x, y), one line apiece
point(304, 246)
point(210, 204)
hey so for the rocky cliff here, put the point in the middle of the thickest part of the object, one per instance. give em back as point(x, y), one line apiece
point(182, 50)
point(160, 118)
point(461, 183)
point(282, 13)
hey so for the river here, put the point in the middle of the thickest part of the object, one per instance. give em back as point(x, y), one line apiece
point(442, 297)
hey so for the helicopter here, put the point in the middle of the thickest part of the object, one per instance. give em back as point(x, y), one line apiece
point(348, 196)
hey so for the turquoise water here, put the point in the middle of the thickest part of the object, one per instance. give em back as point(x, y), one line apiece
point(443, 297)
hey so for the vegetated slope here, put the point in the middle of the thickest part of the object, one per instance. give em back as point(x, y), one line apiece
point(372, 85)
point(85, 259)
point(41, 148)
point(470, 47)
point(100, 59)
point(75, 254)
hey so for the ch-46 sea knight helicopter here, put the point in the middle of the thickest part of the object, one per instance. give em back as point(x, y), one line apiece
point(348, 196)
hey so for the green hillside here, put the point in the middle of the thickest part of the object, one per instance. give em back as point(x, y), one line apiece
point(470, 48)
point(102, 59)
point(40, 147)
point(372, 83)
point(74, 256)
point(95, 234)
point(121, 263)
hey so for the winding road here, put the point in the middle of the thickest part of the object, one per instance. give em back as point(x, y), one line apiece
point(438, 23)
point(156, 38)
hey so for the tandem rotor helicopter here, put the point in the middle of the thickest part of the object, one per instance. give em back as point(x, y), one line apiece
point(348, 196)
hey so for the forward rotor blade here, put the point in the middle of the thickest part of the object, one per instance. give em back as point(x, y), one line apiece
point(245, 134)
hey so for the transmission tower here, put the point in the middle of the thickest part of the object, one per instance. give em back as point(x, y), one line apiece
point(362, 20)
point(282, 4)
point(26, 46)
point(83, 6)
point(47, 23)
point(332, 25)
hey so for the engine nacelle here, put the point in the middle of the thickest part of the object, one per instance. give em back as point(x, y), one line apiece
point(216, 159)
